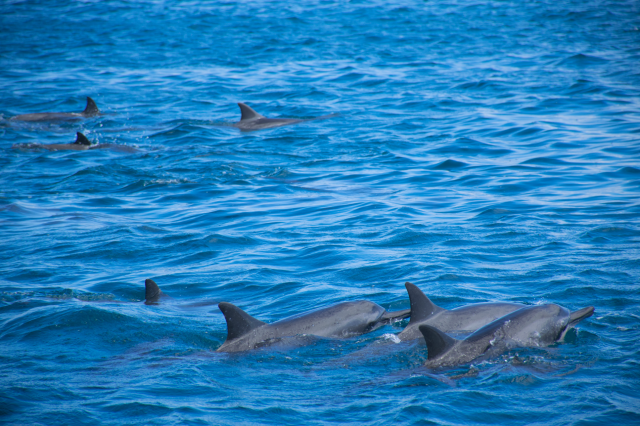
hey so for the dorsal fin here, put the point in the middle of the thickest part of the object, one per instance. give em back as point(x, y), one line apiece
point(91, 108)
point(81, 139)
point(437, 342)
point(248, 113)
point(239, 322)
point(421, 307)
point(151, 291)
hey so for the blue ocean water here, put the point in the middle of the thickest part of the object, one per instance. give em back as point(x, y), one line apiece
point(485, 151)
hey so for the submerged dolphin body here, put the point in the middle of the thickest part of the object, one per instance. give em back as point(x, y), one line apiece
point(81, 144)
point(91, 110)
point(531, 326)
point(251, 120)
point(153, 296)
point(338, 321)
point(467, 318)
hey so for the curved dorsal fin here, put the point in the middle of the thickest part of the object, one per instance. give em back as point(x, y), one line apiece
point(248, 113)
point(239, 322)
point(437, 342)
point(91, 108)
point(151, 290)
point(81, 139)
point(421, 307)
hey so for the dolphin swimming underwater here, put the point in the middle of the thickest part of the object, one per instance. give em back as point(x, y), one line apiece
point(467, 318)
point(91, 110)
point(531, 326)
point(251, 120)
point(81, 144)
point(342, 320)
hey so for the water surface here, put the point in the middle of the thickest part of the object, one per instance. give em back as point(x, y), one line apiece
point(485, 151)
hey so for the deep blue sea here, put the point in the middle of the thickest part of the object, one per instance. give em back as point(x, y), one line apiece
point(483, 150)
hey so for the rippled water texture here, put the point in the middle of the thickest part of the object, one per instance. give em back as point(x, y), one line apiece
point(485, 151)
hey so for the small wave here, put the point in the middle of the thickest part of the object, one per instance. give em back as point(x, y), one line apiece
point(495, 211)
point(449, 165)
point(629, 171)
point(610, 232)
point(545, 161)
point(582, 60)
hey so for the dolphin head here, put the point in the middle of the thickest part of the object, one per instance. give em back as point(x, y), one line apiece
point(574, 318)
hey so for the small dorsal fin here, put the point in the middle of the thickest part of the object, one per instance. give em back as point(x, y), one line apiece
point(91, 108)
point(437, 342)
point(151, 291)
point(248, 113)
point(239, 322)
point(81, 139)
point(421, 306)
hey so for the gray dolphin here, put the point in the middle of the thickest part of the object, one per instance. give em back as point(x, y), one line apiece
point(91, 110)
point(531, 326)
point(251, 120)
point(338, 321)
point(81, 144)
point(467, 318)
point(153, 295)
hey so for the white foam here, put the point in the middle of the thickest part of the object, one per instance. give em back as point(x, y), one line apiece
point(392, 337)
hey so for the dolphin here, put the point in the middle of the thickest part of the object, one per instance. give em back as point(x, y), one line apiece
point(338, 321)
point(531, 326)
point(251, 120)
point(153, 296)
point(81, 144)
point(91, 110)
point(467, 318)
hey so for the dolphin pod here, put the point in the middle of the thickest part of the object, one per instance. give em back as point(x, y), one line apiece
point(496, 327)
point(251, 120)
point(91, 110)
